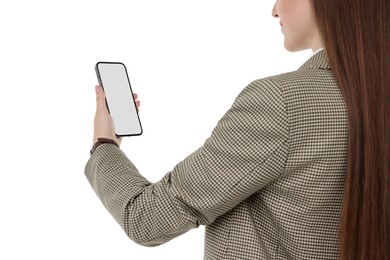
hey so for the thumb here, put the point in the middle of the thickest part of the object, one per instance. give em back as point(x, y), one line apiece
point(100, 99)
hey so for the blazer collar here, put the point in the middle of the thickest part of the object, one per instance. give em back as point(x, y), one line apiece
point(317, 61)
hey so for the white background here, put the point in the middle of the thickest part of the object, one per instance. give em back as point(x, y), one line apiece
point(187, 60)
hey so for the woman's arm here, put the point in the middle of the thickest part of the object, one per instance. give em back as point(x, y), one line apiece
point(246, 151)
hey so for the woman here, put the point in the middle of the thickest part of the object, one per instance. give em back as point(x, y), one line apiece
point(297, 168)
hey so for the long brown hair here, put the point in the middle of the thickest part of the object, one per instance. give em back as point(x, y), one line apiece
point(356, 36)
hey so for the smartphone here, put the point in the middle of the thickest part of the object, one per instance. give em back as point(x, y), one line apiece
point(114, 79)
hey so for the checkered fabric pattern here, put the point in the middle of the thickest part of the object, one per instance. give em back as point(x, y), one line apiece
point(267, 184)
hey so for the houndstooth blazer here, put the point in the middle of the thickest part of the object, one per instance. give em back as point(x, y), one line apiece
point(267, 184)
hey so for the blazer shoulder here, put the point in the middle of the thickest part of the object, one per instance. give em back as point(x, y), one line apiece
point(299, 78)
point(315, 69)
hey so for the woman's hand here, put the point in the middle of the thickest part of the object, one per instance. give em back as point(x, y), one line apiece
point(103, 123)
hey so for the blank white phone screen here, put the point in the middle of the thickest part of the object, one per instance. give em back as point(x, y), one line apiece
point(115, 81)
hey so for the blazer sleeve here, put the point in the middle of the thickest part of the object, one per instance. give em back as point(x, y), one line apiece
point(246, 151)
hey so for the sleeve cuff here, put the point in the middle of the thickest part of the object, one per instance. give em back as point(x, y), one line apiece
point(101, 141)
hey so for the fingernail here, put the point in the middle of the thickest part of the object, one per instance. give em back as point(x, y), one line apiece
point(97, 89)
